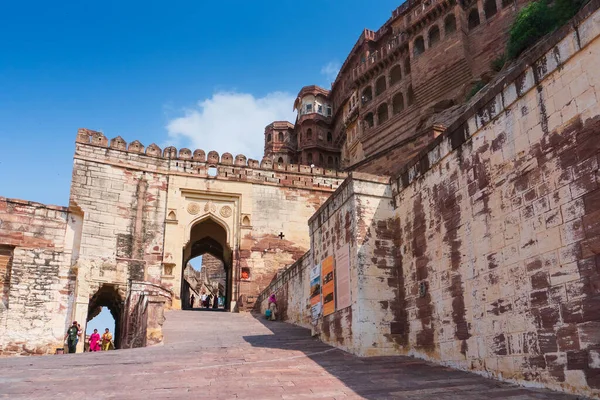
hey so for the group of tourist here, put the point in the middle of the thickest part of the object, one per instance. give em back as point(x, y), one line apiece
point(208, 301)
point(105, 343)
point(96, 342)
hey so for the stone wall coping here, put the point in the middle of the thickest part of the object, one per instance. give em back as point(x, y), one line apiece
point(93, 138)
point(33, 204)
point(353, 176)
point(524, 74)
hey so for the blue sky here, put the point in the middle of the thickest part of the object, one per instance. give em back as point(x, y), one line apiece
point(101, 322)
point(192, 73)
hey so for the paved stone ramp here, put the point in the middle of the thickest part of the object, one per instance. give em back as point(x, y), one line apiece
point(217, 355)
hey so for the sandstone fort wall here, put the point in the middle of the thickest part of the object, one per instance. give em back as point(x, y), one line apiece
point(119, 243)
point(350, 217)
point(140, 203)
point(35, 277)
point(489, 258)
point(498, 221)
point(418, 65)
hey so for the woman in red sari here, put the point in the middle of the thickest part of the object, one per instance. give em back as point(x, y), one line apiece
point(95, 341)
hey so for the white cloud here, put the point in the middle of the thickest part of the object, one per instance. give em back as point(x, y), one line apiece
point(331, 70)
point(231, 122)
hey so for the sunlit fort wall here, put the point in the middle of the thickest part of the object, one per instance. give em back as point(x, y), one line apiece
point(471, 228)
point(482, 252)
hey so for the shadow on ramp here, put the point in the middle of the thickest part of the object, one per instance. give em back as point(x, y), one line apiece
point(394, 377)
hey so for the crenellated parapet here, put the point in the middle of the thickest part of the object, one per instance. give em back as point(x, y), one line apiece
point(198, 162)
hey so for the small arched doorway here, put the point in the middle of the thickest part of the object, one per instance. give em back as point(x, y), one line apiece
point(208, 239)
point(107, 296)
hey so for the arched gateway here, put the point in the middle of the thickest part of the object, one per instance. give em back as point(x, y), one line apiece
point(138, 215)
point(209, 238)
point(210, 235)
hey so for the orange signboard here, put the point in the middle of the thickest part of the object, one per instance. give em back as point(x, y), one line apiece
point(328, 286)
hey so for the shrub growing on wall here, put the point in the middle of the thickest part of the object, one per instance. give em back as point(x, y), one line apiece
point(498, 63)
point(537, 19)
point(564, 10)
point(534, 21)
point(477, 86)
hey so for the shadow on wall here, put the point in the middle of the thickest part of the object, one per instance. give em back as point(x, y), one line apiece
point(386, 377)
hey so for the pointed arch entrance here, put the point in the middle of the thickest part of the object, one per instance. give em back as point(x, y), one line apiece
point(208, 236)
point(108, 296)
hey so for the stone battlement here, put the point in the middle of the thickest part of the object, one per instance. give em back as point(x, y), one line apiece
point(88, 136)
point(170, 160)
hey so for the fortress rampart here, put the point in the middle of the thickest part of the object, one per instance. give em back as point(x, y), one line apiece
point(483, 252)
point(93, 145)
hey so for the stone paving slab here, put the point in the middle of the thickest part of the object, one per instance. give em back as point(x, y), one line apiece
point(209, 355)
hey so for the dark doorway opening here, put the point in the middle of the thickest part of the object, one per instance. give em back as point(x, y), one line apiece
point(208, 240)
point(206, 278)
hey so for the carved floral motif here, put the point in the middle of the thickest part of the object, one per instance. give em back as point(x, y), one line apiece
point(210, 207)
point(193, 208)
point(226, 211)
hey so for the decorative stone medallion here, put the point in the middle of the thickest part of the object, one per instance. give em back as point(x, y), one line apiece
point(193, 208)
point(210, 207)
point(225, 211)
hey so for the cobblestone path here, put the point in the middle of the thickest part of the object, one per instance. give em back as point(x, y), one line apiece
point(216, 355)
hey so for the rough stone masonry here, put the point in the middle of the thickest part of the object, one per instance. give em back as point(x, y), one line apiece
point(483, 252)
point(480, 251)
point(136, 216)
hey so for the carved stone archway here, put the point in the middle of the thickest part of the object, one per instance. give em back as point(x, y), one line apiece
point(108, 296)
point(210, 236)
point(219, 215)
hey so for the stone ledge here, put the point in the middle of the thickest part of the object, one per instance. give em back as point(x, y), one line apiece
point(34, 204)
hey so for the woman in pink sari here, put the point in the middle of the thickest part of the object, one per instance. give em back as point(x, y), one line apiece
point(272, 307)
point(95, 341)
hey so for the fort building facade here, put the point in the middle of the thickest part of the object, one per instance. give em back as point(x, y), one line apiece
point(466, 230)
point(399, 87)
point(136, 216)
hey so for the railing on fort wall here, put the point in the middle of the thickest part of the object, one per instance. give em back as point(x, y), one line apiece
point(417, 10)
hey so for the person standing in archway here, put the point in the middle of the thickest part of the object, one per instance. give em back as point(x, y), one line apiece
point(106, 340)
point(72, 337)
point(192, 299)
point(95, 341)
point(216, 301)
